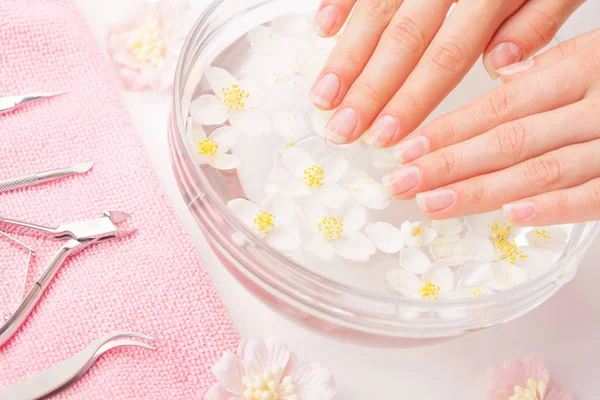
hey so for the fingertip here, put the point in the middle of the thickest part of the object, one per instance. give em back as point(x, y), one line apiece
point(521, 212)
point(326, 20)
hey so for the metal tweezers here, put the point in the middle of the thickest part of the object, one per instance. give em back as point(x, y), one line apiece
point(12, 102)
point(79, 236)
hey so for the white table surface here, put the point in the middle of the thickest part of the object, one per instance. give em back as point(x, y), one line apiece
point(564, 332)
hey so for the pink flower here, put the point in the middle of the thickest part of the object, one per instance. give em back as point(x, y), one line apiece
point(145, 47)
point(524, 380)
point(265, 369)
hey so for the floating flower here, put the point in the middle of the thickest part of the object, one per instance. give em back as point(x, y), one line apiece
point(410, 234)
point(274, 220)
point(453, 226)
point(472, 276)
point(437, 281)
point(291, 126)
point(234, 101)
point(507, 275)
point(414, 260)
point(524, 380)
point(417, 234)
point(213, 150)
point(146, 46)
point(337, 232)
point(367, 192)
point(265, 369)
point(552, 238)
point(301, 175)
point(320, 119)
point(386, 237)
point(448, 249)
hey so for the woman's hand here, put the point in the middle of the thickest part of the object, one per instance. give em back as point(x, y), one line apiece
point(398, 59)
point(531, 146)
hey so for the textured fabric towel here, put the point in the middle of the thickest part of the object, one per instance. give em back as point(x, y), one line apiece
point(151, 282)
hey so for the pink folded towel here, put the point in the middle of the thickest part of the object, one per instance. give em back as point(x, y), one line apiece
point(151, 282)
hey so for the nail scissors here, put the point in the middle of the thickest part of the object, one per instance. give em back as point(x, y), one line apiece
point(13, 102)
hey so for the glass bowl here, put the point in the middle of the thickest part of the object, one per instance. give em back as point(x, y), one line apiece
point(311, 299)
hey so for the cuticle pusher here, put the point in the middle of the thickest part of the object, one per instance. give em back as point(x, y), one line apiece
point(43, 177)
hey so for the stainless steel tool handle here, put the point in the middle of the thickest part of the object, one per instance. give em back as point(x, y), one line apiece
point(18, 183)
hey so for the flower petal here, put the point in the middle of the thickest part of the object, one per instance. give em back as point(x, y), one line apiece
point(225, 137)
point(219, 79)
point(332, 196)
point(291, 126)
point(218, 392)
point(552, 238)
point(265, 40)
point(452, 226)
point(477, 248)
point(230, 370)
point(335, 168)
point(414, 260)
point(402, 281)
point(447, 249)
point(370, 194)
point(252, 122)
point(296, 161)
point(225, 161)
point(537, 261)
point(285, 239)
point(314, 382)
point(265, 354)
point(256, 96)
point(320, 119)
point(385, 237)
point(474, 274)
point(441, 275)
point(355, 219)
point(318, 246)
point(195, 132)
point(292, 25)
point(356, 247)
point(508, 275)
point(244, 210)
point(383, 159)
point(208, 110)
point(282, 207)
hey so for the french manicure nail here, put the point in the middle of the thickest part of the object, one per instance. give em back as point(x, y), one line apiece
point(436, 200)
point(402, 180)
point(502, 55)
point(519, 211)
point(327, 90)
point(410, 149)
point(382, 131)
point(517, 68)
point(325, 20)
point(342, 126)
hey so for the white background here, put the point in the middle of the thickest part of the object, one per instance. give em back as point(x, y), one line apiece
point(564, 332)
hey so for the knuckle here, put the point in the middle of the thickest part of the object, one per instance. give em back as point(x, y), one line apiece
point(543, 173)
point(567, 47)
point(475, 192)
point(448, 58)
point(500, 102)
point(367, 91)
point(595, 195)
point(446, 134)
point(510, 140)
point(381, 8)
point(348, 57)
point(542, 24)
point(447, 163)
point(406, 102)
point(407, 35)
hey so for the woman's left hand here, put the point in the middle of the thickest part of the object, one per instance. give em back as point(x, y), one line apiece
point(531, 146)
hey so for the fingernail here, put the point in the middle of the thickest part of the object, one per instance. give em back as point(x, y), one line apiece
point(519, 211)
point(517, 68)
point(342, 126)
point(402, 180)
point(325, 20)
point(436, 200)
point(410, 149)
point(326, 91)
point(502, 55)
point(382, 131)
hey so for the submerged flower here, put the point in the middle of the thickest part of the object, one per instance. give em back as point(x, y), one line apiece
point(524, 380)
point(410, 234)
point(265, 369)
point(234, 101)
point(367, 192)
point(337, 233)
point(213, 150)
point(551, 237)
point(291, 126)
point(300, 175)
point(274, 220)
point(146, 46)
point(438, 280)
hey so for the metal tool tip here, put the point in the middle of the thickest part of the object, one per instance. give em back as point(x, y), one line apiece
point(83, 167)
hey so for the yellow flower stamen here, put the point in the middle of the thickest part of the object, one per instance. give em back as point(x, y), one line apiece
point(264, 221)
point(477, 293)
point(235, 98)
point(541, 233)
point(208, 148)
point(290, 144)
point(417, 231)
point(313, 176)
point(331, 227)
point(503, 239)
point(429, 291)
point(535, 390)
point(147, 44)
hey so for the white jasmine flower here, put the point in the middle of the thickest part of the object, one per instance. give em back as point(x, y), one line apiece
point(414, 260)
point(234, 101)
point(508, 275)
point(320, 119)
point(538, 260)
point(291, 126)
point(553, 238)
point(453, 226)
point(266, 40)
point(448, 249)
point(337, 232)
point(274, 220)
point(438, 281)
point(213, 150)
point(386, 237)
point(306, 177)
point(367, 192)
point(383, 159)
point(474, 275)
point(417, 234)
point(294, 25)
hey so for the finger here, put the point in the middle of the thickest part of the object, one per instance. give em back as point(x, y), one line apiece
point(452, 53)
point(566, 206)
point(531, 28)
point(507, 145)
point(352, 51)
point(548, 58)
point(547, 90)
point(559, 169)
point(398, 52)
point(332, 15)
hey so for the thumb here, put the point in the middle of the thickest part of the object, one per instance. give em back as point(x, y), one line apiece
point(527, 31)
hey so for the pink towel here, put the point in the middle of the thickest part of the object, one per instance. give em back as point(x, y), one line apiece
point(151, 282)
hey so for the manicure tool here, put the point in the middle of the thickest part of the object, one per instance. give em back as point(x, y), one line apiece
point(43, 177)
point(62, 375)
point(12, 102)
point(79, 235)
point(30, 255)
